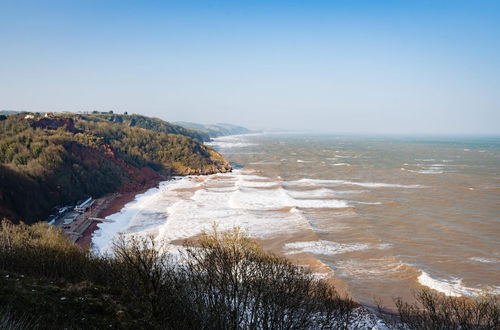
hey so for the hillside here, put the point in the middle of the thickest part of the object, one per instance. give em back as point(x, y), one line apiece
point(154, 124)
point(228, 282)
point(224, 280)
point(216, 130)
point(49, 161)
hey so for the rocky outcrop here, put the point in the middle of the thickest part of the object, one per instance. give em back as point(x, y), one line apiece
point(55, 123)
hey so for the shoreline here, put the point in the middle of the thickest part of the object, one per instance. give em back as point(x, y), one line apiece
point(115, 202)
point(111, 204)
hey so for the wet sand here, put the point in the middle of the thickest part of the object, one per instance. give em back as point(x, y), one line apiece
point(111, 204)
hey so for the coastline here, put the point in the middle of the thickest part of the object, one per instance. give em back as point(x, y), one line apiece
point(114, 203)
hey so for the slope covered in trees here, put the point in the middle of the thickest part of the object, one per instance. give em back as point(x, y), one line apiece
point(49, 161)
point(216, 130)
point(153, 124)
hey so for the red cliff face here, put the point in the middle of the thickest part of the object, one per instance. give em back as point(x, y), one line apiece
point(134, 178)
point(55, 123)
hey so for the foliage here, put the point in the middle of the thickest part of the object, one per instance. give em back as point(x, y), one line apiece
point(434, 310)
point(234, 284)
point(227, 281)
point(60, 159)
point(217, 129)
point(153, 124)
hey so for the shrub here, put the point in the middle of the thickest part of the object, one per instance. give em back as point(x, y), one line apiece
point(8, 321)
point(234, 284)
point(225, 280)
point(434, 310)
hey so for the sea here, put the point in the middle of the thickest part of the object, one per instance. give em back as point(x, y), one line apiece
point(383, 215)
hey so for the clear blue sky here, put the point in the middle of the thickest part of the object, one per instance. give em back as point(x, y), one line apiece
point(338, 66)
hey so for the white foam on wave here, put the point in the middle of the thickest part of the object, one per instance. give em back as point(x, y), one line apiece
point(430, 172)
point(426, 171)
point(321, 203)
point(183, 208)
point(254, 181)
point(452, 287)
point(232, 141)
point(312, 182)
point(341, 164)
point(366, 203)
point(223, 144)
point(432, 169)
point(256, 184)
point(314, 193)
point(276, 199)
point(221, 189)
point(323, 247)
point(483, 260)
point(187, 218)
point(373, 268)
point(146, 211)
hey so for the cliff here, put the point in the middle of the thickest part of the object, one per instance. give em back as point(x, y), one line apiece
point(56, 160)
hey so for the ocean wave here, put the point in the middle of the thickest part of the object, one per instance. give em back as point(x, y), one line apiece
point(453, 287)
point(483, 260)
point(309, 182)
point(187, 218)
point(314, 193)
point(322, 193)
point(428, 169)
point(256, 184)
point(264, 163)
point(323, 247)
point(430, 172)
point(226, 145)
point(277, 199)
point(372, 269)
point(232, 141)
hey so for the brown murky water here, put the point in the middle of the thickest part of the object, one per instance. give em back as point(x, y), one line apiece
point(385, 215)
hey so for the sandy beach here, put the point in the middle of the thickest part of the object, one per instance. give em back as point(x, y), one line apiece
point(111, 204)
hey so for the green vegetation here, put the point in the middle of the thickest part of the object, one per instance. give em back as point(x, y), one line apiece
point(220, 281)
point(217, 129)
point(153, 124)
point(60, 159)
point(226, 282)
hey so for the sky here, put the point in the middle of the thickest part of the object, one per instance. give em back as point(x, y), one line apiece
point(424, 67)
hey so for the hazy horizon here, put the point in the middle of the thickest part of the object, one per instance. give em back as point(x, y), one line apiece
point(340, 67)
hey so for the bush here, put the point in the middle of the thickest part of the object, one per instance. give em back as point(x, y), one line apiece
point(8, 321)
point(226, 281)
point(220, 281)
point(434, 310)
point(234, 284)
